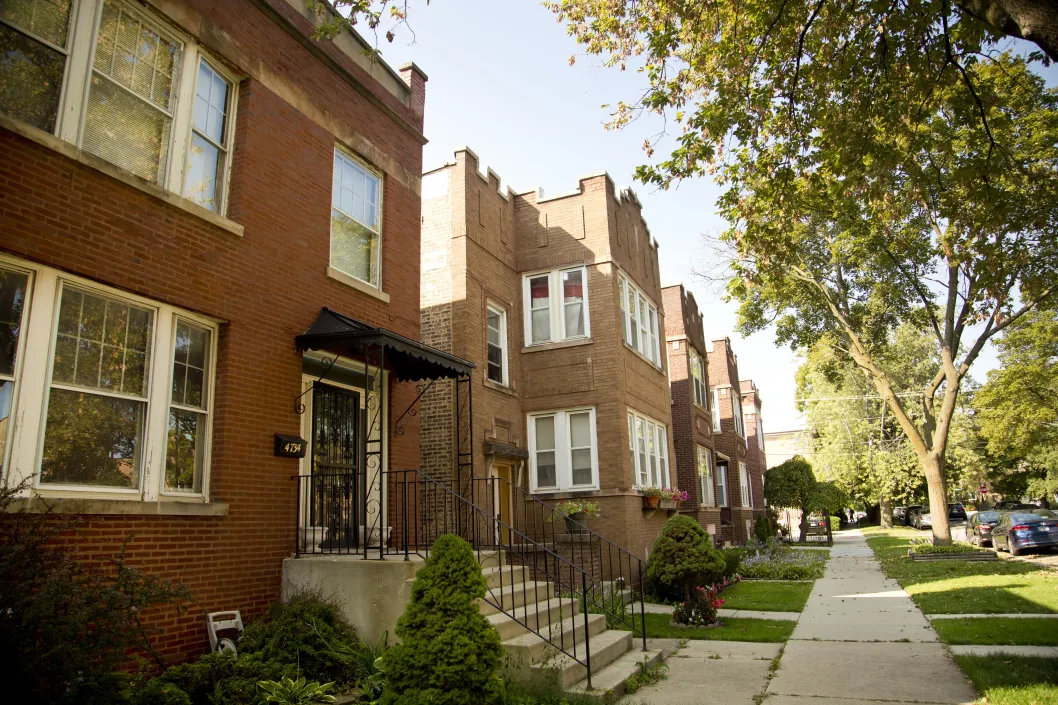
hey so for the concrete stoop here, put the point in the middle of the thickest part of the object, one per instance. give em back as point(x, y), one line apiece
point(540, 621)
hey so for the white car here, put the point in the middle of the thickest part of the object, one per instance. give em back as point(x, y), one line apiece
point(923, 521)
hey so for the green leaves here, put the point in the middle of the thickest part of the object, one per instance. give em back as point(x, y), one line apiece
point(295, 692)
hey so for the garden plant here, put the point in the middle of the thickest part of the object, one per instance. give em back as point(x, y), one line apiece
point(682, 559)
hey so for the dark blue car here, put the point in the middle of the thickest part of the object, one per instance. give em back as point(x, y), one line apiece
point(1020, 530)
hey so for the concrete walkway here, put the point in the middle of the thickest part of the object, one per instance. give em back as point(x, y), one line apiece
point(861, 639)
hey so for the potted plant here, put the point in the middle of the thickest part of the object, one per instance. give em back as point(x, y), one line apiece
point(672, 497)
point(576, 512)
point(651, 497)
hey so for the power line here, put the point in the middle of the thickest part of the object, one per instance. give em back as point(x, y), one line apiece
point(865, 396)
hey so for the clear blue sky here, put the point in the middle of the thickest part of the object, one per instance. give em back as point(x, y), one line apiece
point(500, 83)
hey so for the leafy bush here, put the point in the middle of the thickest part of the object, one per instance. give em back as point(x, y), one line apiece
point(957, 547)
point(835, 523)
point(448, 654)
point(683, 558)
point(732, 560)
point(296, 692)
point(762, 528)
point(775, 562)
point(158, 692)
point(69, 626)
point(701, 609)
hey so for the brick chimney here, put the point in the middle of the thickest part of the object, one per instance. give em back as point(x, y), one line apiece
point(416, 80)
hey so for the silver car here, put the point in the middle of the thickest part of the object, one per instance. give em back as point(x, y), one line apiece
point(923, 521)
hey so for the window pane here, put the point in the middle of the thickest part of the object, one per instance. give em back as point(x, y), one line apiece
point(495, 362)
point(541, 326)
point(545, 432)
point(580, 430)
point(185, 451)
point(354, 248)
point(126, 131)
point(573, 302)
point(136, 55)
point(539, 293)
point(632, 448)
point(641, 435)
point(493, 326)
point(546, 475)
point(190, 361)
point(355, 191)
point(633, 324)
point(581, 460)
point(203, 166)
point(102, 344)
point(574, 320)
point(211, 102)
point(46, 19)
point(92, 440)
point(7, 390)
point(12, 301)
point(30, 76)
point(545, 469)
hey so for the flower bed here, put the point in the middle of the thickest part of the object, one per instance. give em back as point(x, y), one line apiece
point(774, 562)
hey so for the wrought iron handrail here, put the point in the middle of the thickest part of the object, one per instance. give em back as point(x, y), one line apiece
point(606, 561)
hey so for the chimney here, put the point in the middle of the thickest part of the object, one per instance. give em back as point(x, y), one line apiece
point(416, 80)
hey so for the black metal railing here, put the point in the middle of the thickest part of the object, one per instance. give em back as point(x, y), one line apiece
point(401, 513)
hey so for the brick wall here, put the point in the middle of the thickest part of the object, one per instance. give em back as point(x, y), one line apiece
point(267, 286)
point(756, 462)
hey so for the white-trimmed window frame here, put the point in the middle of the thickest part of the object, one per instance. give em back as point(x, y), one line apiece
point(556, 305)
point(723, 492)
point(563, 450)
point(707, 493)
point(736, 413)
point(641, 319)
point(745, 489)
point(25, 452)
point(348, 154)
point(649, 431)
point(491, 307)
point(20, 354)
point(85, 17)
point(716, 410)
point(699, 390)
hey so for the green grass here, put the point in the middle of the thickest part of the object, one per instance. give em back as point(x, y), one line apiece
point(733, 629)
point(767, 597)
point(957, 587)
point(1013, 680)
point(996, 630)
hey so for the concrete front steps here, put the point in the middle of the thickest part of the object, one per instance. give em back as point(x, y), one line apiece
point(540, 621)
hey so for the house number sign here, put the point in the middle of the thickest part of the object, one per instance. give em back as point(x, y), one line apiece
point(290, 446)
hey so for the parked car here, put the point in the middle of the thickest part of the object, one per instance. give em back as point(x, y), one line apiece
point(923, 519)
point(817, 524)
point(1006, 505)
point(956, 511)
point(912, 510)
point(899, 515)
point(1018, 530)
point(979, 527)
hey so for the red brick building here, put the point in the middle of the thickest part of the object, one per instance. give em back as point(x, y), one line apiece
point(184, 185)
point(756, 458)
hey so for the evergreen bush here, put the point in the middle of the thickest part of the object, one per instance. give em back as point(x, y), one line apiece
point(762, 528)
point(448, 653)
point(682, 559)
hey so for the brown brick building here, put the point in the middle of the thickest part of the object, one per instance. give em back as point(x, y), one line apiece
point(557, 301)
point(756, 459)
point(175, 210)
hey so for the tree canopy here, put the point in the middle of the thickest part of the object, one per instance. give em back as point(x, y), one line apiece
point(793, 484)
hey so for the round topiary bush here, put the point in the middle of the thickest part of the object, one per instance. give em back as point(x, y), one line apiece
point(682, 559)
point(448, 653)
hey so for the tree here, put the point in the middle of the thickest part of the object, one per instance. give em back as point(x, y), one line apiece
point(448, 652)
point(1018, 406)
point(682, 559)
point(791, 484)
point(883, 164)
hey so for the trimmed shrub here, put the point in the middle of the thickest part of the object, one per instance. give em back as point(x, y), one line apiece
point(762, 528)
point(957, 547)
point(158, 692)
point(835, 523)
point(683, 558)
point(448, 654)
point(732, 560)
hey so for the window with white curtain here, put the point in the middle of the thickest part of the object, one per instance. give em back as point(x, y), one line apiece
point(721, 484)
point(154, 103)
point(556, 306)
point(701, 392)
point(705, 477)
point(356, 218)
point(563, 450)
point(648, 451)
point(744, 486)
point(122, 397)
point(639, 321)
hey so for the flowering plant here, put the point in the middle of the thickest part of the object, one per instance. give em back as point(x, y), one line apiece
point(576, 506)
point(653, 492)
point(701, 609)
point(675, 494)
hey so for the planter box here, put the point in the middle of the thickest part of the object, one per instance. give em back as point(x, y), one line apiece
point(981, 556)
point(651, 502)
point(667, 504)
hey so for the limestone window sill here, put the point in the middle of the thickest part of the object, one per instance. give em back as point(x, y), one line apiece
point(540, 347)
point(357, 284)
point(501, 388)
point(78, 505)
point(126, 177)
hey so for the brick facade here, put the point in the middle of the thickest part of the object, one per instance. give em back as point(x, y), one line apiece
point(756, 460)
point(478, 240)
point(296, 98)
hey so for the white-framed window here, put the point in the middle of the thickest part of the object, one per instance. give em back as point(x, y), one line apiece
point(705, 477)
point(120, 401)
point(114, 79)
point(716, 411)
point(496, 344)
point(14, 295)
point(721, 485)
point(701, 392)
point(563, 450)
point(736, 412)
point(356, 218)
point(556, 305)
point(648, 451)
point(744, 486)
point(639, 321)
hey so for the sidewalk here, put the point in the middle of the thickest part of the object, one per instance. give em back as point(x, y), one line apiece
point(861, 639)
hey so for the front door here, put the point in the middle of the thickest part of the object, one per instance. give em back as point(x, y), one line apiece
point(337, 466)
point(502, 500)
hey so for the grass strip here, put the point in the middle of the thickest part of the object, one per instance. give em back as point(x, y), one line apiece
point(733, 629)
point(997, 630)
point(767, 597)
point(1013, 680)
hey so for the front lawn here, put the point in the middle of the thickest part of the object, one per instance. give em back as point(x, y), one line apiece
point(996, 630)
point(964, 587)
point(733, 629)
point(1013, 680)
point(767, 596)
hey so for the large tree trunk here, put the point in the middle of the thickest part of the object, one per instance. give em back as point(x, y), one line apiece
point(1034, 20)
point(803, 538)
point(885, 518)
point(938, 498)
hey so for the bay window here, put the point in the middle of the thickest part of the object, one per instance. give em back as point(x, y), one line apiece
point(705, 477)
point(648, 451)
point(556, 306)
point(563, 451)
point(701, 395)
point(639, 321)
point(744, 486)
point(356, 212)
point(123, 87)
point(119, 403)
